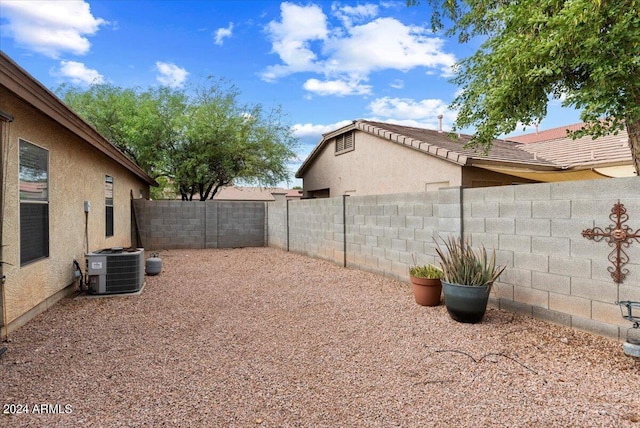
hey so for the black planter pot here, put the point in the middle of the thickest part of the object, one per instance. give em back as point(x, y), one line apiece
point(466, 303)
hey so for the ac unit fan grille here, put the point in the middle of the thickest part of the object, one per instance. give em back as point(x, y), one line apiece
point(123, 274)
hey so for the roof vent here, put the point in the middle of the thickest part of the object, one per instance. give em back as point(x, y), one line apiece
point(440, 123)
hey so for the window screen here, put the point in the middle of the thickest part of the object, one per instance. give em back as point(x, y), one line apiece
point(34, 202)
point(108, 202)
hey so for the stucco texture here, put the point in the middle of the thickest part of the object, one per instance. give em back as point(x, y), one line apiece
point(76, 174)
point(377, 166)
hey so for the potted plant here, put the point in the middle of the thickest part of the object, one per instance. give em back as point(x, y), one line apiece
point(427, 287)
point(467, 279)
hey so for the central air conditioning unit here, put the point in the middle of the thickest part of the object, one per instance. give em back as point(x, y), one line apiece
point(115, 270)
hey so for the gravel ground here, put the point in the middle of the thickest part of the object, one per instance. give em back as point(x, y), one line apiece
point(262, 337)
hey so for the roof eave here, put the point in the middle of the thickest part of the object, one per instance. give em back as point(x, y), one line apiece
point(26, 87)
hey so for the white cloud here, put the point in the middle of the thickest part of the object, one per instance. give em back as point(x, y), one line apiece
point(51, 27)
point(350, 53)
point(171, 74)
point(412, 113)
point(350, 14)
point(336, 87)
point(292, 36)
point(78, 73)
point(222, 33)
point(307, 130)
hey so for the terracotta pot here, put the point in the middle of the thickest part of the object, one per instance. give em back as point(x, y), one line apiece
point(426, 291)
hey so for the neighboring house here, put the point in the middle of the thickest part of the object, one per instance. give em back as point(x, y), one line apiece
point(367, 157)
point(609, 156)
point(51, 162)
point(255, 194)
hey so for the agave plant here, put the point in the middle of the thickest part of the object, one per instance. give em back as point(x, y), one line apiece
point(462, 265)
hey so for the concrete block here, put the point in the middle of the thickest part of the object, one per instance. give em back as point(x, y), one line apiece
point(533, 226)
point(516, 209)
point(499, 193)
point(502, 290)
point(629, 292)
point(515, 243)
point(489, 240)
point(520, 277)
point(397, 221)
point(570, 266)
point(449, 226)
point(474, 225)
point(449, 211)
point(551, 282)
point(551, 209)
point(406, 233)
point(474, 195)
point(383, 221)
point(415, 246)
point(504, 258)
point(484, 209)
point(399, 244)
point(571, 190)
point(600, 291)
point(532, 192)
point(449, 195)
point(596, 327)
point(608, 313)
point(515, 307)
point(533, 262)
point(500, 225)
point(405, 210)
point(390, 210)
point(593, 209)
point(570, 305)
point(415, 222)
point(531, 296)
point(391, 232)
point(556, 246)
point(569, 228)
point(551, 316)
point(423, 210)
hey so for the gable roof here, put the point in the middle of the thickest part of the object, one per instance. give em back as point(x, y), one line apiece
point(505, 156)
point(26, 87)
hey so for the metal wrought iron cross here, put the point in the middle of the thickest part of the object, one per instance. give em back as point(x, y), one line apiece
point(616, 235)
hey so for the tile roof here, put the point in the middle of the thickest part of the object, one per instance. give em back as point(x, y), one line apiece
point(569, 153)
point(446, 145)
point(549, 134)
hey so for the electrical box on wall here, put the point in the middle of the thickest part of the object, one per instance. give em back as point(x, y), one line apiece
point(87, 206)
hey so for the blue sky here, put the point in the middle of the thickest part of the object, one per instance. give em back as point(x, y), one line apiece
point(325, 62)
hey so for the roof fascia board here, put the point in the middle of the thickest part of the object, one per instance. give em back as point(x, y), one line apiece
point(23, 85)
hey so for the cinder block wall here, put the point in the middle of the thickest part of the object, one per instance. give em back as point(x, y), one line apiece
point(552, 271)
point(197, 224)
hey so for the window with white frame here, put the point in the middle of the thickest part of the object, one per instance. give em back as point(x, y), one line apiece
point(34, 202)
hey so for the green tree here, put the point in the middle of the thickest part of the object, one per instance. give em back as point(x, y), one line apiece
point(197, 141)
point(585, 53)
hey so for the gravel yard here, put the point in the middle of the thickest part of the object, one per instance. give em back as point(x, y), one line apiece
point(262, 337)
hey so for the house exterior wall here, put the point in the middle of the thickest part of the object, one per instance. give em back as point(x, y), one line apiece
point(378, 166)
point(553, 273)
point(76, 174)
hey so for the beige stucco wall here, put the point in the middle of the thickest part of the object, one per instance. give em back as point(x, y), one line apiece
point(378, 166)
point(76, 174)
